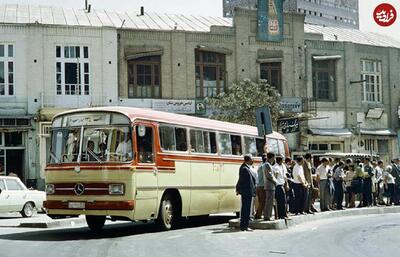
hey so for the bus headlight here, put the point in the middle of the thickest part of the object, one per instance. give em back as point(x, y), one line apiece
point(50, 189)
point(116, 189)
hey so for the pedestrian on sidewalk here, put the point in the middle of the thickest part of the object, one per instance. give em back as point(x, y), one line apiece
point(367, 186)
point(396, 175)
point(246, 188)
point(307, 167)
point(260, 189)
point(349, 194)
point(281, 187)
point(379, 183)
point(299, 186)
point(290, 193)
point(269, 186)
point(338, 177)
point(389, 184)
point(322, 179)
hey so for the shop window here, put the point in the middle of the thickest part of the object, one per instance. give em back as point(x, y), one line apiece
point(144, 77)
point(383, 146)
point(13, 138)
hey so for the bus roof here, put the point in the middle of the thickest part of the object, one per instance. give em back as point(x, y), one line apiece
point(175, 119)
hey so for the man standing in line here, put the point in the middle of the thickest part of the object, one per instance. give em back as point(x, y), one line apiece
point(246, 187)
point(396, 175)
point(281, 186)
point(260, 189)
point(338, 177)
point(367, 193)
point(322, 179)
point(309, 189)
point(299, 185)
point(379, 183)
point(269, 186)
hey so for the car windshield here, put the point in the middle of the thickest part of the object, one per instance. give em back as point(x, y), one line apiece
point(91, 144)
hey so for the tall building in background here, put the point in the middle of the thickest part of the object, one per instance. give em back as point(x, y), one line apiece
point(343, 13)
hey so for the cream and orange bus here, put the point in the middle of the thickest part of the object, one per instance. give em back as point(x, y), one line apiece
point(141, 164)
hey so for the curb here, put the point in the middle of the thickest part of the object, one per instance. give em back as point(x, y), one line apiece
point(296, 220)
point(71, 222)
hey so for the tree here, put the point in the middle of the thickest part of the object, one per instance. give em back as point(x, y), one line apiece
point(239, 104)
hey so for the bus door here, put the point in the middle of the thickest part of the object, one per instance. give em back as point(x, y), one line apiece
point(146, 172)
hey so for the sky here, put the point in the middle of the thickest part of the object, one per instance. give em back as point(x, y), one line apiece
point(211, 8)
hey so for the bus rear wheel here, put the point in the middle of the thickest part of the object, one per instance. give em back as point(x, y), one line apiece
point(95, 223)
point(166, 215)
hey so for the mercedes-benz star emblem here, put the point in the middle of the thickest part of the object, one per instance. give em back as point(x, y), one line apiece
point(79, 189)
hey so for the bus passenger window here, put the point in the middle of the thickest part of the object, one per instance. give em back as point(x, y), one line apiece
point(124, 148)
point(260, 144)
point(167, 138)
point(236, 145)
point(213, 142)
point(272, 145)
point(281, 146)
point(250, 146)
point(225, 144)
point(203, 141)
point(144, 139)
point(181, 139)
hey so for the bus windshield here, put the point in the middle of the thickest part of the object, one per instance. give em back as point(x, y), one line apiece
point(91, 144)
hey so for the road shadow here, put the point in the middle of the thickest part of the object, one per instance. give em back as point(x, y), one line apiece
point(110, 231)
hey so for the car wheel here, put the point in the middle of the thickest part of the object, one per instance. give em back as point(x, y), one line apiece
point(95, 223)
point(27, 210)
point(166, 214)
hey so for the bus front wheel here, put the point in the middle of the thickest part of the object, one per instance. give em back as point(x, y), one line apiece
point(95, 223)
point(166, 214)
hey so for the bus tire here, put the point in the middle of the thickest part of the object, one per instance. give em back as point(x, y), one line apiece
point(167, 214)
point(95, 223)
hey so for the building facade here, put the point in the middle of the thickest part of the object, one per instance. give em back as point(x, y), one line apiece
point(342, 13)
point(172, 63)
point(48, 65)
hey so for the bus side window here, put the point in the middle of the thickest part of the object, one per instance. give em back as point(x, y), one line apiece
point(250, 146)
point(281, 146)
point(236, 145)
point(144, 140)
point(181, 139)
point(213, 142)
point(225, 144)
point(260, 143)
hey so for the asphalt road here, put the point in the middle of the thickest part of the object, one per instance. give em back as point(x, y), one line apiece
point(374, 235)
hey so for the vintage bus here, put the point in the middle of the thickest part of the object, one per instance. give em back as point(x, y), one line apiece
point(140, 164)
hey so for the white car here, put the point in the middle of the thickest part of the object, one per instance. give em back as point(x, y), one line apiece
point(15, 197)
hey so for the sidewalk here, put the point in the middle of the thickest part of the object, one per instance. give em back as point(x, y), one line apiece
point(38, 220)
point(296, 220)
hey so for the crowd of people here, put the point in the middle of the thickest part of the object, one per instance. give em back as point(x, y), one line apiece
point(291, 187)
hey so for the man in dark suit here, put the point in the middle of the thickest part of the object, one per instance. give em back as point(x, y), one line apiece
point(396, 174)
point(246, 187)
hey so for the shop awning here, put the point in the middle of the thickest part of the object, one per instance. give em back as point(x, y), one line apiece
point(378, 132)
point(336, 132)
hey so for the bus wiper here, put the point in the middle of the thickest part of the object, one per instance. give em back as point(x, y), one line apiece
point(94, 155)
point(54, 157)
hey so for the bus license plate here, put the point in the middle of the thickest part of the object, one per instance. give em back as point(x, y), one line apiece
point(76, 205)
